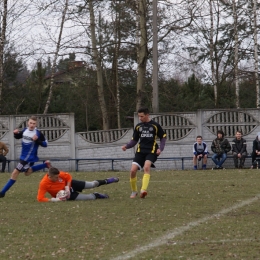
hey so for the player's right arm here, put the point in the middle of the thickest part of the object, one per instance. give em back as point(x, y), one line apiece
point(18, 134)
point(43, 189)
point(131, 144)
point(41, 194)
point(134, 139)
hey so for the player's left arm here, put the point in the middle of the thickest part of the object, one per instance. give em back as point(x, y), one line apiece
point(68, 179)
point(41, 140)
point(67, 189)
point(162, 136)
point(206, 149)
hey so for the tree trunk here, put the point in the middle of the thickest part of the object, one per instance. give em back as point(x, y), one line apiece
point(256, 56)
point(213, 71)
point(97, 60)
point(155, 60)
point(2, 45)
point(40, 84)
point(236, 53)
point(53, 69)
point(117, 48)
point(142, 54)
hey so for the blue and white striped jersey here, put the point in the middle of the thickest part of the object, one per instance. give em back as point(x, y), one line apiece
point(29, 146)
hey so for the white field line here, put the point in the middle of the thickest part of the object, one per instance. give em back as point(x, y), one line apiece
point(180, 230)
point(221, 241)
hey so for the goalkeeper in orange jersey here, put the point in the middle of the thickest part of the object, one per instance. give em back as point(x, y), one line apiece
point(56, 180)
point(146, 132)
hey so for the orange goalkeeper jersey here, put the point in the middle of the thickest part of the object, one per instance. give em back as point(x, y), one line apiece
point(46, 185)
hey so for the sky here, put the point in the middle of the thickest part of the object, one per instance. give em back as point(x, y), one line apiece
point(33, 28)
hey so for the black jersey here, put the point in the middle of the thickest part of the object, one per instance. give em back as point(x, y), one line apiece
point(147, 133)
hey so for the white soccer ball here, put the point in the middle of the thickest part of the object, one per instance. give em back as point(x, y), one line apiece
point(61, 194)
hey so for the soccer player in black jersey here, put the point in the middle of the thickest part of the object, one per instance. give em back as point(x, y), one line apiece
point(146, 132)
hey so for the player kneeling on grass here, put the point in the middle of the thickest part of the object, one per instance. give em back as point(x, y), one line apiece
point(55, 181)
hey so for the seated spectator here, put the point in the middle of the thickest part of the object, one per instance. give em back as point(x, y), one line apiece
point(256, 150)
point(200, 151)
point(220, 147)
point(239, 150)
point(3, 152)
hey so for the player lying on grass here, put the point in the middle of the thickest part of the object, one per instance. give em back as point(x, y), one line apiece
point(56, 180)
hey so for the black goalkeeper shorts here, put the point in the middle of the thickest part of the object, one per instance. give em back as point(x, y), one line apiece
point(76, 187)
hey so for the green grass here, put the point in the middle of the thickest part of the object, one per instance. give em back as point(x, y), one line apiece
point(106, 229)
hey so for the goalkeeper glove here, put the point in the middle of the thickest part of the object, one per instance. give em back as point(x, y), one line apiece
point(67, 189)
point(57, 199)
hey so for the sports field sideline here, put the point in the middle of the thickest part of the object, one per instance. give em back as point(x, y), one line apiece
point(186, 215)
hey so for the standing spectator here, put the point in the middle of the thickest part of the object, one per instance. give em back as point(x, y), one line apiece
point(200, 151)
point(220, 147)
point(146, 132)
point(239, 150)
point(3, 152)
point(256, 150)
point(32, 138)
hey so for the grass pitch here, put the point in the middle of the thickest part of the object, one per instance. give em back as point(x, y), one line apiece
point(180, 203)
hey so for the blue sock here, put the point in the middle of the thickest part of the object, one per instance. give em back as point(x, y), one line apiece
point(195, 167)
point(204, 166)
point(7, 186)
point(39, 167)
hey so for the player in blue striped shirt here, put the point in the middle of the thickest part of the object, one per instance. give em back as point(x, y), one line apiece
point(32, 138)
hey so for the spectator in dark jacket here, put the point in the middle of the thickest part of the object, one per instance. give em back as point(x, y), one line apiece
point(256, 149)
point(220, 147)
point(239, 150)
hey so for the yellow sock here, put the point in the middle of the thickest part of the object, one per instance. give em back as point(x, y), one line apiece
point(133, 183)
point(146, 179)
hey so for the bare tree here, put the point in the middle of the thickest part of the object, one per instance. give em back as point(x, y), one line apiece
point(2, 45)
point(256, 54)
point(117, 37)
point(142, 53)
point(236, 52)
point(211, 53)
point(55, 57)
point(97, 60)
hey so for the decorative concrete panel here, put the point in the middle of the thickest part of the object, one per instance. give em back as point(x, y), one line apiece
point(102, 146)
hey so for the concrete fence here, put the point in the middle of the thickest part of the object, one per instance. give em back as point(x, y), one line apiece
point(181, 130)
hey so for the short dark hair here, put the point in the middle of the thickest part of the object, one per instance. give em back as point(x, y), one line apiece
point(54, 171)
point(144, 110)
point(199, 136)
point(220, 132)
point(240, 131)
